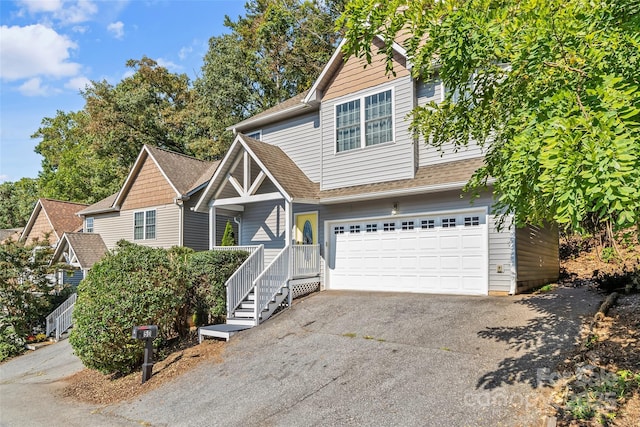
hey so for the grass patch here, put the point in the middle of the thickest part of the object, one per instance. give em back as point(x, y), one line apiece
point(349, 335)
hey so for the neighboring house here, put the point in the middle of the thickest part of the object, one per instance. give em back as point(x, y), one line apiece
point(52, 218)
point(338, 166)
point(10, 233)
point(80, 251)
point(154, 205)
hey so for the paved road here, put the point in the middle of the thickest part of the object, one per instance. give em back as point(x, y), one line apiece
point(339, 358)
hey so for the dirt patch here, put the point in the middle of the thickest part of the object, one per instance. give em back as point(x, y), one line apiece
point(93, 387)
point(600, 383)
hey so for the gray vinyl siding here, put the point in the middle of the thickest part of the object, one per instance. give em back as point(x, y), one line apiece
point(196, 226)
point(116, 226)
point(300, 138)
point(263, 223)
point(378, 163)
point(432, 91)
point(537, 256)
point(72, 278)
point(501, 254)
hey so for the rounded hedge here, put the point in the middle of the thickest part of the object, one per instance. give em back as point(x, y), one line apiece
point(137, 285)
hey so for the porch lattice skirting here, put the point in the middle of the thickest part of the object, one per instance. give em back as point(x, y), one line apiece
point(302, 287)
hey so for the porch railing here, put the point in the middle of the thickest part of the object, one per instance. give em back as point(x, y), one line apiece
point(271, 281)
point(305, 261)
point(64, 321)
point(240, 283)
point(51, 324)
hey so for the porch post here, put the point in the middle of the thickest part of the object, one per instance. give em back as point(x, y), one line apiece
point(288, 209)
point(212, 226)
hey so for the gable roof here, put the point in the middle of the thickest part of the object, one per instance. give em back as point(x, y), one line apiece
point(441, 177)
point(61, 216)
point(88, 248)
point(277, 166)
point(184, 174)
point(288, 108)
point(309, 100)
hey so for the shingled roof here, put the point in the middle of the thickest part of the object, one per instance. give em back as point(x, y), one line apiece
point(88, 248)
point(184, 173)
point(283, 169)
point(61, 216)
point(293, 105)
point(451, 175)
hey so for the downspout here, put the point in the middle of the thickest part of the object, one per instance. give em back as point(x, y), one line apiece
point(179, 202)
point(237, 221)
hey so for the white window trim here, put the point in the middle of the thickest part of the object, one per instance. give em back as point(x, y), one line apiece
point(363, 137)
point(257, 132)
point(93, 225)
point(144, 225)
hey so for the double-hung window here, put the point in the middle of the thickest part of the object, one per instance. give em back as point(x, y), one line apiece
point(144, 225)
point(364, 121)
point(88, 224)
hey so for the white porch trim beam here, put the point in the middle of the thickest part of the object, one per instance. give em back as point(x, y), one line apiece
point(247, 172)
point(248, 199)
point(257, 183)
point(236, 185)
point(212, 227)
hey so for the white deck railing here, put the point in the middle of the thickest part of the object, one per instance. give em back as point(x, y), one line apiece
point(51, 318)
point(305, 261)
point(240, 283)
point(64, 321)
point(272, 280)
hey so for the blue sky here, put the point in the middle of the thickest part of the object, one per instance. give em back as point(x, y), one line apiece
point(50, 49)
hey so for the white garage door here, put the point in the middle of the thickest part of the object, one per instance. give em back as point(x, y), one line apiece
point(426, 253)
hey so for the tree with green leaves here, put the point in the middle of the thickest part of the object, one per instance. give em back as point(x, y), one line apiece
point(26, 292)
point(274, 52)
point(228, 238)
point(16, 202)
point(550, 88)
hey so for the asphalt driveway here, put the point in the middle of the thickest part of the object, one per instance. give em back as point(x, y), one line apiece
point(347, 358)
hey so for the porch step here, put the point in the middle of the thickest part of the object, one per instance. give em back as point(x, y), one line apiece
point(244, 313)
point(224, 330)
point(248, 305)
point(241, 321)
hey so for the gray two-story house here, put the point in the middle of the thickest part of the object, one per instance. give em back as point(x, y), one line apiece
point(337, 167)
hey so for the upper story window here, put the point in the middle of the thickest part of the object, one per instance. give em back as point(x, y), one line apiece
point(256, 135)
point(88, 224)
point(144, 225)
point(357, 127)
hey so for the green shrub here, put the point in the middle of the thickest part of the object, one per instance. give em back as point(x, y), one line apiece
point(134, 285)
point(137, 285)
point(208, 272)
point(228, 239)
point(11, 343)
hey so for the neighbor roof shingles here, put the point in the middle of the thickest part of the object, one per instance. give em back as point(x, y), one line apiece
point(88, 247)
point(62, 215)
point(183, 171)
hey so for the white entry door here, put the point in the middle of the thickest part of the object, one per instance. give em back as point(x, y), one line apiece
point(429, 253)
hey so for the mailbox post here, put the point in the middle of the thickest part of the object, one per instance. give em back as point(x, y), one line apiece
point(147, 333)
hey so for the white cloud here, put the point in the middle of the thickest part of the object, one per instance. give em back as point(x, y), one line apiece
point(67, 12)
point(34, 87)
point(35, 50)
point(4, 178)
point(117, 29)
point(171, 66)
point(77, 83)
point(184, 52)
point(128, 74)
point(36, 6)
point(81, 29)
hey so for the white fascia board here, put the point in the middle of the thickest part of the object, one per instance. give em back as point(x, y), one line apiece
point(202, 205)
point(311, 96)
point(164, 174)
point(27, 228)
point(282, 114)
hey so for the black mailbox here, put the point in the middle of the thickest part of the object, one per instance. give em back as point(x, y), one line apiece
point(145, 332)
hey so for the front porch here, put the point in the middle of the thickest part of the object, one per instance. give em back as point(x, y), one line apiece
point(254, 292)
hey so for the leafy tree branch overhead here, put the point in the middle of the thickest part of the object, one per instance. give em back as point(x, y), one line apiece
point(550, 88)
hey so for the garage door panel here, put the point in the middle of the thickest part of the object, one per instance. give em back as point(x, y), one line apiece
point(414, 254)
point(449, 242)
